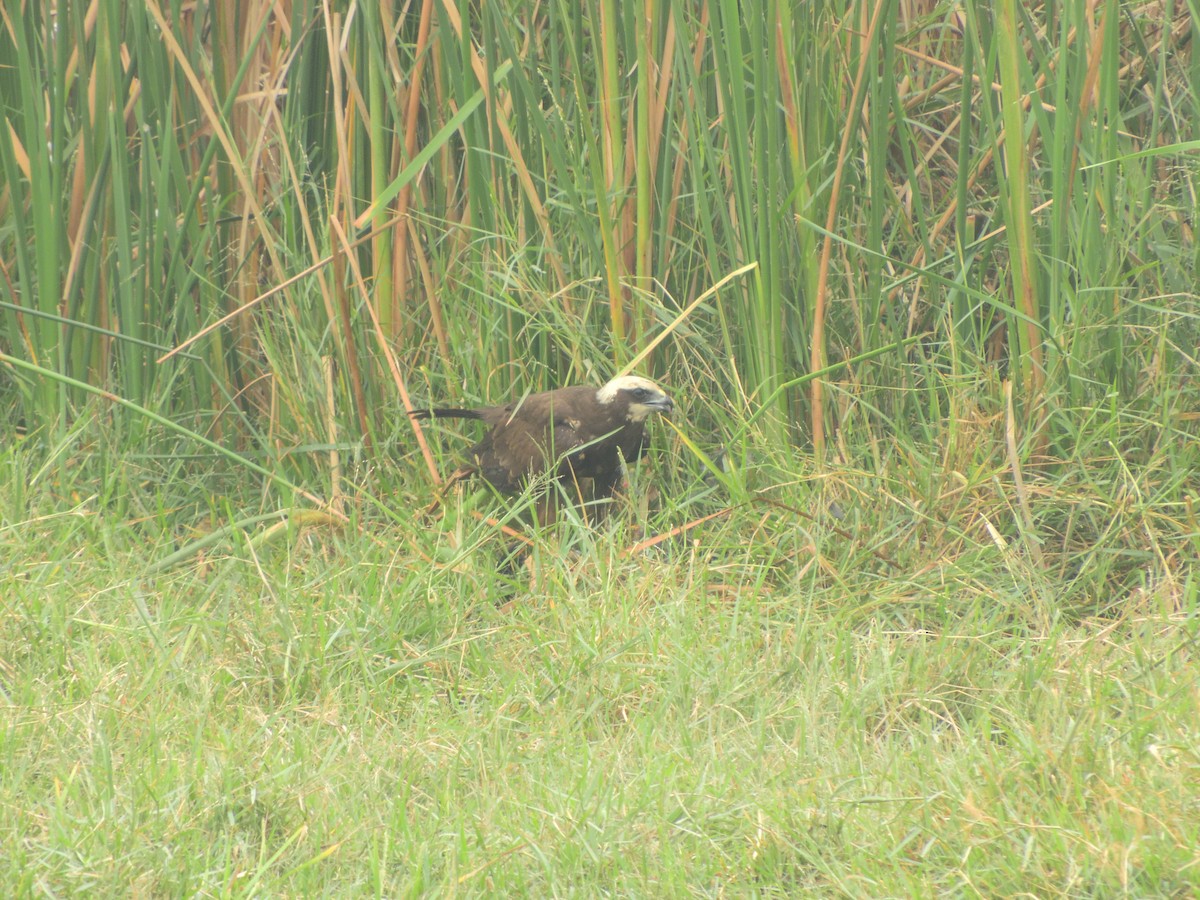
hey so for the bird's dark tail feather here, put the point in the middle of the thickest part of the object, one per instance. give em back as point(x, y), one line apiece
point(446, 413)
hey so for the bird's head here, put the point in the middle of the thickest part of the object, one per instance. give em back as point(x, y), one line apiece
point(639, 396)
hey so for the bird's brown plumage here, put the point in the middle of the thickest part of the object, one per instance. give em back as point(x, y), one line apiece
point(584, 431)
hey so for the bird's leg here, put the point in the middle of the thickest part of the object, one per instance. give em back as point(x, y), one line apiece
point(604, 490)
point(582, 488)
point(546, 509)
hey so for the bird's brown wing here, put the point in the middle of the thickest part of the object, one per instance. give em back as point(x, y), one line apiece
point(529, 436)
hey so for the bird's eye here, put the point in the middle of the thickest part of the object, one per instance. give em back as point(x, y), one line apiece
point(640, 393)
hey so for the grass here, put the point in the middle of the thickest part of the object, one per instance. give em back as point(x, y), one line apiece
point(762, 706)
point(921, 278)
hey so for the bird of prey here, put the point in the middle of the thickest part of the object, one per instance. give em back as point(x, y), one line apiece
point(580, 434)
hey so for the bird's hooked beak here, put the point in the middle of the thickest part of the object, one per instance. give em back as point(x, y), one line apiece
point(663, 404)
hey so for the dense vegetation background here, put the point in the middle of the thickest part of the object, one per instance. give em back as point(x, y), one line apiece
point(905, 599)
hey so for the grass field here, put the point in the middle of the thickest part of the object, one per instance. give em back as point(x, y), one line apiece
point(904, 601)
point(889, 701)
